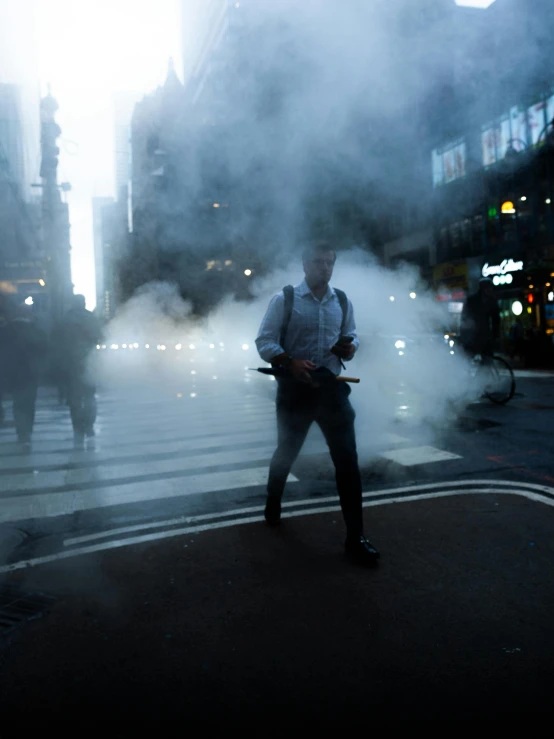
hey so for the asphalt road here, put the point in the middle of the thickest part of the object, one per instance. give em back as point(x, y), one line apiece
point(168, 597)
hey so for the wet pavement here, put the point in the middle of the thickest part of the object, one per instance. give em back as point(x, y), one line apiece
point(173, 599)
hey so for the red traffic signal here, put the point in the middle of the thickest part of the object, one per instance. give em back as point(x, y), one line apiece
point(530, 298)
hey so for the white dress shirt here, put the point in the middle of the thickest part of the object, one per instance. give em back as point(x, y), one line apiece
point(315, 327)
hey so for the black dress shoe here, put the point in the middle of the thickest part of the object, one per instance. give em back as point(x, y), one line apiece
point(361, 551)
point(272, 511)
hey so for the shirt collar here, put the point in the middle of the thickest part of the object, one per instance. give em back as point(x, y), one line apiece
point(304, 290)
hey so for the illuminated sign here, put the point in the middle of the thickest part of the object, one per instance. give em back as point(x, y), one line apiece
point(508, 207)
point(502, 270)
point(481, 4)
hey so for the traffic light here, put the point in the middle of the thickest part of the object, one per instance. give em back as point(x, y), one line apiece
point(530, 298)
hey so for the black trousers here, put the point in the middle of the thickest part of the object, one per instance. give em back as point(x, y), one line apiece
point(24, 396)
point(82, 404)
point(298, 406)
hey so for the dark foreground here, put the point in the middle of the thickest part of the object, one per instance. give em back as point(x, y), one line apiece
point(234, 624)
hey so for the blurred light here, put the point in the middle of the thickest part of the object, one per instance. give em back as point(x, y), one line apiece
point(163, 347)
point(451, 352)
point(193, 372)
point(508, 207)
point(136, 346)
point(193, 395)
point(228, 262)
point(147, 346)
point(192, 346)
point(221, 343)
point(529, 310)
point(114, 346)
point(480, 4)
point(179, 395)
point(245, 347)
point(400, 344)
point(547, 284)
point(212, 346)
point(523, 198)
point(391, 298)
point(98, 346)
point(216, 205)
point(103, 346)
point(403, 407)
point(124, 346)
point(530, 288)
point(451, 343)
point(178, 347)
point(400, 354)
point(214, 377)
point(29, 301)
point(237, 5)
point(413, 296)
point(446, 336)
point(41, 282)
point(248, 272)
point(551, 296)
point(548, 201)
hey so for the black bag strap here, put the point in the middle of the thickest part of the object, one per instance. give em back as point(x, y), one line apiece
point(288, 292)
point(343, 301)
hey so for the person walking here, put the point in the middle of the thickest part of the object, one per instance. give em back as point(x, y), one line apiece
point(26, 352)
point(480, 322)
point(307, 329)
point(81, 332)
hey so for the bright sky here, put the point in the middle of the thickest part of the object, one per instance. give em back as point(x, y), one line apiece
point(87, 51)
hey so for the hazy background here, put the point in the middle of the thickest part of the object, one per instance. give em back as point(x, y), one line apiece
point(87, 51)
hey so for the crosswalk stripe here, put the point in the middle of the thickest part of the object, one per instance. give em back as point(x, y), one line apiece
point(105, 455)
point(118, 473)
point(59, 504)
point(414, 456)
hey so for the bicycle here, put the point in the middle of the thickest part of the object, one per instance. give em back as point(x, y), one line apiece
point(495, 376)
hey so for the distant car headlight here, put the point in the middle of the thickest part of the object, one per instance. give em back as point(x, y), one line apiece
point(400, 344)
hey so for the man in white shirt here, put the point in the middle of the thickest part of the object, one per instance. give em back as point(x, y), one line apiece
point(317, 331)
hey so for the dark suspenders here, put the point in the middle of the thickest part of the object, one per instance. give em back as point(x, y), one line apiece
point(288, 292)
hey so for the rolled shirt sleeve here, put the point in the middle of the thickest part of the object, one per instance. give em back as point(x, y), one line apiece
point(267, 340)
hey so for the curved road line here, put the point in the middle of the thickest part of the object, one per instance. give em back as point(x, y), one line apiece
point(531, 491)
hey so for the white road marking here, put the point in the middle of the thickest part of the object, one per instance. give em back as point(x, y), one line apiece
point(412, 456)
point(119, 472)
point(286, 504)
point(47, 505)
point(511, 489)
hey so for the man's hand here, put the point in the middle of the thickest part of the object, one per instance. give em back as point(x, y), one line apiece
point(344, 351)
point(301, 368)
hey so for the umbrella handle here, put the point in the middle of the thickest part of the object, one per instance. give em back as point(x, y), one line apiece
point(340, 378)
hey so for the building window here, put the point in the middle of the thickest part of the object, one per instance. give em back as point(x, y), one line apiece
point(449, 163)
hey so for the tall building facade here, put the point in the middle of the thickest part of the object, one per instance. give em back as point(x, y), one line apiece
point(102, 243)
point(485, 198)
point(22, 258)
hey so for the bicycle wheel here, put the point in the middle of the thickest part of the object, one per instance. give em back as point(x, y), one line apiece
point(501, 384)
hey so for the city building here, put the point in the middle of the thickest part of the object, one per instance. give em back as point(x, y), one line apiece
point(102, 244)
point(23, 268)
point(480, 204)
point(55, 216)
point(491, 166)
